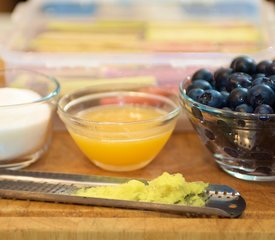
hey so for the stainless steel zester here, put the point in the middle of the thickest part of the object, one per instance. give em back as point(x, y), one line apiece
point(221, 200)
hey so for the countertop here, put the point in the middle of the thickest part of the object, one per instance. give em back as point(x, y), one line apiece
point(183, 153)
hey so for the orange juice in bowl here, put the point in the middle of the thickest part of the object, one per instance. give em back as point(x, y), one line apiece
point(119, 130)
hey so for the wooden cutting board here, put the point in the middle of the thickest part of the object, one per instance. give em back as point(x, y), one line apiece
point(183, 153)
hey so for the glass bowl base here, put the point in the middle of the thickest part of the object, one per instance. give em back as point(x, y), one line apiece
point(237, 168)
point(15, 165)
point(21, 162)
point(25, 161)
point(117, 168)
point(249, 176)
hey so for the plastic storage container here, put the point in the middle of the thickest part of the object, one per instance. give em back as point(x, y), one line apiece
point(131, 34)
point(131, 41)
point(142, 26)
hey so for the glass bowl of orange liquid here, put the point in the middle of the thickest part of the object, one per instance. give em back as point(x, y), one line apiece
point(120, 127)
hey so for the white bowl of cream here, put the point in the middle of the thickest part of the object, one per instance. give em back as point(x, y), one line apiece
point(26, 118)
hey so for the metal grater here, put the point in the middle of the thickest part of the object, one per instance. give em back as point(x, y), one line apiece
point(221, 200)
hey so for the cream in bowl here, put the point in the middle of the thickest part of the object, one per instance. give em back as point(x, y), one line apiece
point(119, 128)
point(26, 107)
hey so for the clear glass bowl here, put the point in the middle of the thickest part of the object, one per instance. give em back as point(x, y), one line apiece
point(242, 144)
point(120, 140)
point(27, 102)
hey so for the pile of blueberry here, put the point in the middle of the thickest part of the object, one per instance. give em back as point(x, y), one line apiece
point(245, 86)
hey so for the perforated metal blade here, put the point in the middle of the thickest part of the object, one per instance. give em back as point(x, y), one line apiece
point(221, 200)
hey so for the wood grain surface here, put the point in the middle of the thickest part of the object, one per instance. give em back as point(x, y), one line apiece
point(184, 153)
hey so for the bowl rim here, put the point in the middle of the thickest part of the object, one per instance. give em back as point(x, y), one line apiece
point(72, 118)
point(55, 92)
point(209, 109)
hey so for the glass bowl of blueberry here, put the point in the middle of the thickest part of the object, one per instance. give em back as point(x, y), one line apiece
point(233, 111)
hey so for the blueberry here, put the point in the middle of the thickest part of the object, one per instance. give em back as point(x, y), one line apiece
point(262, 66)
point(195, 93)
point(244, 108)
point(271, 69)
point(264, 109)
point(211, 98)
point(237, 97)
point(221, 78)
point(260, 94)
point(243, 64)
point(237, 80)
point(203, 74)
point(199, 84)
point(259, 79)
point(265, 80)
point(225, 96)
point(257, 75)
